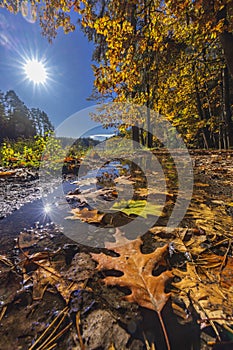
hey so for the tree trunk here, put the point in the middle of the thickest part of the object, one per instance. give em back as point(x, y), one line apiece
point(226, 37)
point(226, 40)
point(149, 135)
point(227, 108)
point(148, 117)
point(142, 137)
point(135, 136)
point(205, 132)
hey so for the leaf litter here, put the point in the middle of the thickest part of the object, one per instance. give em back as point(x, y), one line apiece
point(187, 271)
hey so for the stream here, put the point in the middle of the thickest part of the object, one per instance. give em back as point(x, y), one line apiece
point(23, 203)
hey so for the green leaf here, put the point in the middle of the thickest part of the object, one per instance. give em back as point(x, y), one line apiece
point(138, 207)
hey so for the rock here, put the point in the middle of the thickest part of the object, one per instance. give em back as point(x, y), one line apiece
point(100, 331)
point(82, 267)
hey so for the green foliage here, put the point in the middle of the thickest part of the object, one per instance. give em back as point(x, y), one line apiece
point(80, 146)
point(28, 153)
point(170, 56)
point(54, 152)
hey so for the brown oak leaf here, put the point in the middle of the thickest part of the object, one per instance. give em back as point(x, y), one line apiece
point(146, 290)
point(46, 275)
point(7, 173)
point(86, 215)
point(200, 286)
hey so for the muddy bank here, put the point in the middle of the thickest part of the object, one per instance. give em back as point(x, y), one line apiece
point(17, 187)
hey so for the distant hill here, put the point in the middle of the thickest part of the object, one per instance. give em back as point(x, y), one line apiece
point(100, 133)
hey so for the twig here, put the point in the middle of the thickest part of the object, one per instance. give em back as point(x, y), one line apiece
point(52, 347)
point(164, 330)
point(3, 311)
point(58, 335)
point(48, 340)
point(215, 319)
point(46, 269)
point(229, 329)
point(77, 319)
point(146, 342)
point(224, 259)
point(210, 321)
point(212, 343)
point(148, 347)
point(47, 329)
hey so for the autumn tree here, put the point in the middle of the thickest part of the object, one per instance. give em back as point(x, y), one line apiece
point(171, 66)
point(173, 56)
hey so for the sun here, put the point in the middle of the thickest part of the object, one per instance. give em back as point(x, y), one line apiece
point(35, 71)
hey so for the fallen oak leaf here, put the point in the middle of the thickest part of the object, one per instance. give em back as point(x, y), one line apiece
point(39, 270)
point(86, 215)
point(34, 260)
point(7, 173)
point(85, 182)
point(187, 241)
point(212, 220)
point(42, 278)
point(6, 261)
point(124, 180)
point(220, 266)
point(46, 275)
point(209, 298)
point(27, 240)
point(146, 290)
point(10, 281)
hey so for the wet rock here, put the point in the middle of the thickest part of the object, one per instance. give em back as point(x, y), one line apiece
point(82, 268)
point(9, 284)
point(81, 300)
point(21, 187)
point(100, 331)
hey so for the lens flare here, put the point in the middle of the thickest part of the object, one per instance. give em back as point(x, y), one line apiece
point(47, 208)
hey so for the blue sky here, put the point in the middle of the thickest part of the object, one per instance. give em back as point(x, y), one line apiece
point(68, 60)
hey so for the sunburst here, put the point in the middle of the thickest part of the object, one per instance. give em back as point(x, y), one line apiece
point(36, 71)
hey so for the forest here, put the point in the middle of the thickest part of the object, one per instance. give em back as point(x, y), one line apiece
point(19, 121)
point(26, 132)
